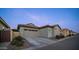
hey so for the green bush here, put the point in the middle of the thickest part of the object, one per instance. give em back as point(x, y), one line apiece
point(18, 41)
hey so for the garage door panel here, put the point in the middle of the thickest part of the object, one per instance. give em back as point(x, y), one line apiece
point(30, 34)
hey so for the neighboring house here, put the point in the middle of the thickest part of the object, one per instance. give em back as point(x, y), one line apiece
point(72, 32)
point(5, 31)
point(15, 33)
point(66, 32)
point(30, 30)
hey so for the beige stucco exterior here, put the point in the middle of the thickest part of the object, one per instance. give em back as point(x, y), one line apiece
point(66, 32)
point(57, 31)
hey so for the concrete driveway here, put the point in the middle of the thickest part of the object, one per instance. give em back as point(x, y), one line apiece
point(39, 42)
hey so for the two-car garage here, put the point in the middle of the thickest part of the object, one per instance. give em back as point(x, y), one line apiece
point(30, 33)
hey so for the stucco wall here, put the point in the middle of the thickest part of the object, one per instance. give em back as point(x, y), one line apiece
point(50, 32)
point(66, 32)
point(21, 30)
point(45, 32)
point(57, 31)
point(15, 34)
point(53, 35)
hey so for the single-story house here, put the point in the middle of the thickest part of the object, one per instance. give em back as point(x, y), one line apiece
point(5, 31)
point(30, 30)
point(66, 32)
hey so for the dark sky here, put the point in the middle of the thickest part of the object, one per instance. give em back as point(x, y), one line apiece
point(65, 17)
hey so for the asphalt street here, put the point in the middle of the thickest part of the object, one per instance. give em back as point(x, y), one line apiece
point(71, 43)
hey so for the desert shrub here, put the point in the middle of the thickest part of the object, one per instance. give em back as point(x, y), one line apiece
point(17, 41)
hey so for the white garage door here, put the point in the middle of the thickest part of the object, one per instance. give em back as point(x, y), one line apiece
point(30, 33)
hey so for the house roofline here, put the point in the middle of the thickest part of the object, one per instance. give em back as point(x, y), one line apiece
point(4, 23)
point(50, 26)
point(20, 25)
